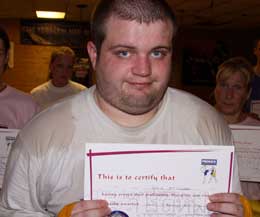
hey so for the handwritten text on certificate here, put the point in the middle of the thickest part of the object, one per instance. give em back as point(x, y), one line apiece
point(157, 180)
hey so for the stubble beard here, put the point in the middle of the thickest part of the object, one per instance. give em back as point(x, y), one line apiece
point(135, 105)
point(131, 103)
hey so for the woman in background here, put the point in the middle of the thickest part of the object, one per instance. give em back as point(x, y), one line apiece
point(233, 87)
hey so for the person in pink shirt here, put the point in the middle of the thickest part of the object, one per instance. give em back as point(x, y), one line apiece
point(16, 107)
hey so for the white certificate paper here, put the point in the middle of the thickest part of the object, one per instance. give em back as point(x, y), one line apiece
point(247, 143)
point(157, 180)
point(7, 137)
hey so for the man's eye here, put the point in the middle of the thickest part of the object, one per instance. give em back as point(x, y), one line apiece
point(123, 54)
point(158, 54)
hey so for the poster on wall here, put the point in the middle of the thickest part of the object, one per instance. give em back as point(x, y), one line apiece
point(201, 59)
point(58, 33)
point(61, 33)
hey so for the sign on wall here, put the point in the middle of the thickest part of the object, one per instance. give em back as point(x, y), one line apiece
point(58, 33)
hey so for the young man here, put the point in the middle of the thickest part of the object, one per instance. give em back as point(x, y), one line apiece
point(131, 52)
point(16, 107)
point(60, 85)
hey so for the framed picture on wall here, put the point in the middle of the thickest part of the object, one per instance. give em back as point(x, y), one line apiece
point(201, 59)
point(55, 32)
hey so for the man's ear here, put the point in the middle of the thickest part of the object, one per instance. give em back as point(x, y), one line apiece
point(92, 52)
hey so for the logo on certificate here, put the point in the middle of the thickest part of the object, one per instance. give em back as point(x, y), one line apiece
point(209, 171)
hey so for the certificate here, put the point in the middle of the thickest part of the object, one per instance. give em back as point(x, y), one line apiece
point(255, 107)
point(7, 137)
point(247, 144)
point(157, 180)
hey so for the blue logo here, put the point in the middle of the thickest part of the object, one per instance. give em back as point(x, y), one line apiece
point(209, 170)
point(209, 161)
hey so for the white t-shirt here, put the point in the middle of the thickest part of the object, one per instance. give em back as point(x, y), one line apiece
point(47, 94)
point(46, 167)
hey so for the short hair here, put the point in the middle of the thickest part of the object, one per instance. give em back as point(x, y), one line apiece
point(64, 50)
point(61, 51)
point(234, 65)
point(142, 11)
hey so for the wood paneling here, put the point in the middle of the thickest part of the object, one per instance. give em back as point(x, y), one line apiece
point(30, 61)
point(30, 66)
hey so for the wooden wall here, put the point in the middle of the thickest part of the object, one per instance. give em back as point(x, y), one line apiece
point(30, 61)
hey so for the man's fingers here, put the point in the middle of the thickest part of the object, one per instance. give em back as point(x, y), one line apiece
point(225, 204)
point(226, 208)
point(90, 205)
point(225, 197)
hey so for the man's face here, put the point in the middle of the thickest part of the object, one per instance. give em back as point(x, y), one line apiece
point(134, 64)
point(62, 69)
point(3, 57)
point(231, 94)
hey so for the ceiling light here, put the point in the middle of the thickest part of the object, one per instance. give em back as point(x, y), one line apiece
point(50, 14)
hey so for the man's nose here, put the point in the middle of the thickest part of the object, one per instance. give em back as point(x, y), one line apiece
point(142, 66)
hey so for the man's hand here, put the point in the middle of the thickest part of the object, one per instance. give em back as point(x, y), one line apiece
point(225, 204)
point(91, 208)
